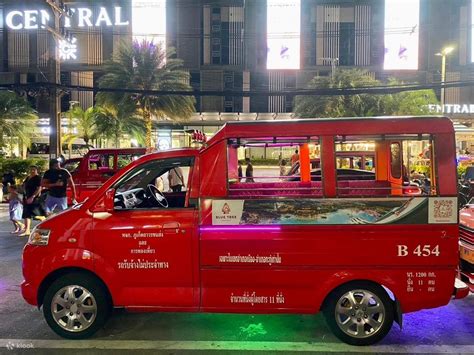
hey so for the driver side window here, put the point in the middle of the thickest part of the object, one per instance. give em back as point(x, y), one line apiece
point(156, 184)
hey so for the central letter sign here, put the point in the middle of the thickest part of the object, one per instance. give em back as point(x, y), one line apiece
point(81, 17)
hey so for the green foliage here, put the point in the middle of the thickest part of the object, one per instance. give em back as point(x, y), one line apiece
point(85, 124)
point(421, 169)
point(361, 105)
point(407, 102)
point(263, 162)
point(146, 66)
point(122, 163)
point(340, 105)
point(116, 122)
point(17, 118)
point(21, 167)
point(462, 169)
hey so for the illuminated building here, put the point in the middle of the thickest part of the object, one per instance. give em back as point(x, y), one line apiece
point(247, 45)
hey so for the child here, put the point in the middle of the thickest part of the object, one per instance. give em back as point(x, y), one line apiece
point(283, 169)
point(16, 208)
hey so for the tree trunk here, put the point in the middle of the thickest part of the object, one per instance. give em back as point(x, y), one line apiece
point(149, 126)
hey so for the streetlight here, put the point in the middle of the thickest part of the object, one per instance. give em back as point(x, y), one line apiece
point(443, 54)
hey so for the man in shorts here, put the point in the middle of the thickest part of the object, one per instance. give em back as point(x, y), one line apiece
point(31, 203)
point(56, 180)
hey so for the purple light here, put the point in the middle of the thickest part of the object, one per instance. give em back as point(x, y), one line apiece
point(239, 228)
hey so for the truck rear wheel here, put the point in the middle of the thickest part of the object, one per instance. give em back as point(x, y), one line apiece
point(359, 313)
point(76, 306)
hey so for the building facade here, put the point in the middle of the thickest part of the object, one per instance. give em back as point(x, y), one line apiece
point(247, 45)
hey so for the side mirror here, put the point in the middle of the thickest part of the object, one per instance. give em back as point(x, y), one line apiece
point(109, 200)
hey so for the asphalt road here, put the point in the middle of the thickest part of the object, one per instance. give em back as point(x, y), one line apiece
point(448, 329)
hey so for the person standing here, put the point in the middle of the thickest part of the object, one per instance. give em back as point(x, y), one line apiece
point(15, 208)
point(239, 171)
point(7, 179)
point(176, 179)
point(283, 169)
point(295, 158)
point(249, 171)
point(56, 181)
point(31, 204)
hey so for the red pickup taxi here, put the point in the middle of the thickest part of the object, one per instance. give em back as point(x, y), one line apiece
point(180, 230)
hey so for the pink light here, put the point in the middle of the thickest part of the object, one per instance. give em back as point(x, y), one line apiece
point(239, 228)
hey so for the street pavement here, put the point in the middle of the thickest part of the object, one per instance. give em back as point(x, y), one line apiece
point(448, 329)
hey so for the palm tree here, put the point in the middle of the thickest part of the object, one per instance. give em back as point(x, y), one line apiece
point(145, 66)
point(360, 105)
point(84, 120)
point(340, 105)
point(17, 118)
point(116, 122)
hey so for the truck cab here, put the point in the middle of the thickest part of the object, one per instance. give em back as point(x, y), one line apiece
point(97, 166)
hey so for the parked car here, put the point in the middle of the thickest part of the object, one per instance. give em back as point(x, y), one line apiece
point(97, 166)
point(466, 244)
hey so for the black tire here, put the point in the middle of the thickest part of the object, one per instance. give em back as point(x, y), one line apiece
point(99, 298)
point(385, 320)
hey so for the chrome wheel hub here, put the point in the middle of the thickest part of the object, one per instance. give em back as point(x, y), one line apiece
point(74, 308)
point(360, 313)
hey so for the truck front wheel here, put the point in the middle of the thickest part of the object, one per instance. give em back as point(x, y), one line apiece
point(76, 306)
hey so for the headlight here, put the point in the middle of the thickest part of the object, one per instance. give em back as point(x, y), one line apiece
point(39, 236)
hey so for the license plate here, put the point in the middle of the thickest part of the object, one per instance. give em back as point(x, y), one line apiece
point(466, 254)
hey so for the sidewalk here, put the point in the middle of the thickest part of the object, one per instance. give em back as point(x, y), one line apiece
point(3, 209)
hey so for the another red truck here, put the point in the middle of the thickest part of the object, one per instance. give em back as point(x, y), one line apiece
point(97, 166)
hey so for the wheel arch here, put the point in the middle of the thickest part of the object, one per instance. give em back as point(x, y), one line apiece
point(56, 274)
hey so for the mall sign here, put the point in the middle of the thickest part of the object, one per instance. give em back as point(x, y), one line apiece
point(82, 17)
point(452, 108)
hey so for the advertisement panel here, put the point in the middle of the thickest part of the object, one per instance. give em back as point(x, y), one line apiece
point(283, 34)
point(308, 211)
point(402, 20)
point(149, 21)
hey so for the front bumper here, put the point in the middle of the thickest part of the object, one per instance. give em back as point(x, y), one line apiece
point(468, 278)
point(460, 290)
point(29, 293)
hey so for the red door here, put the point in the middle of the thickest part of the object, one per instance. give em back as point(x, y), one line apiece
point(147, 241)
point(150, 252)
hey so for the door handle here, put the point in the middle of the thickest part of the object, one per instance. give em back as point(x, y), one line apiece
point(172, 226)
